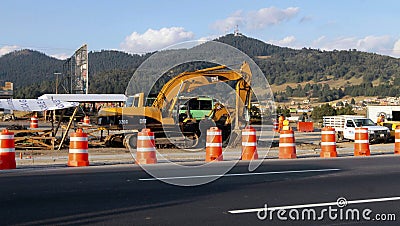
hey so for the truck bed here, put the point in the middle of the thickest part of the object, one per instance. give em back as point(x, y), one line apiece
point(336, 122)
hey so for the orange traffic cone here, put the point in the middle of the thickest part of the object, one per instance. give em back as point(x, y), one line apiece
point(361, 142)
point(397, 141)
point(78, 149)
point(287, 145)
point(146, 150)
point(7, 150)
point(86, 120)
point(249, 143)
point(214, 145)
point(328, 142)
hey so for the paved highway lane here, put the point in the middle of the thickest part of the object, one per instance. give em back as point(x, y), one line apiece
point(126, 195)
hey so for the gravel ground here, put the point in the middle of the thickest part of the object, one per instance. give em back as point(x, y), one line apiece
point(107, 156)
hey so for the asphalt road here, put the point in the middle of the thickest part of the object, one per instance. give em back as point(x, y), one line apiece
point(126, 195)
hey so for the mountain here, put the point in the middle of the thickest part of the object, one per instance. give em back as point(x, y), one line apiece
point(348, 72)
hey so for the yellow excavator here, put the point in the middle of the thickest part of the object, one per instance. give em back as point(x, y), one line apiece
point(163, 118)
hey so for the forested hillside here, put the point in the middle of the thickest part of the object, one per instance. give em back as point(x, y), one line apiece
point(32, 72)
point(282, 65)
point(27, 66)
point(111, 71)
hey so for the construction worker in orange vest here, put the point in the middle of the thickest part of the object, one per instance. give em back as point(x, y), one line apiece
point(380, 119)
point(286, 125)
point(280, 121)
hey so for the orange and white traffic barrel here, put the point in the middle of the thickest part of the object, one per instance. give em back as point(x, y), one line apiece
point(78, 149)
point(328, 142)
point(86, 120)
point(146, 148)
point(34, 122)
point(7, 150)
point(361, 142)
point(287, 145)
point(249, 143)
point(397, 141)
point(214, 145)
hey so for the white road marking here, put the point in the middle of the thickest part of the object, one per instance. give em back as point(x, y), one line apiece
point(314, 205)
point(239, 174)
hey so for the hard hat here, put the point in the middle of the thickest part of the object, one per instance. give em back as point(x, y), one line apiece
point(286, 122)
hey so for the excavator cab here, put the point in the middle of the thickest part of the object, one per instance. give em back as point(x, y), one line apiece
point(195, 108)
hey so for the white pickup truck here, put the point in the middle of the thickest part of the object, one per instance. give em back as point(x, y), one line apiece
point(345, 126)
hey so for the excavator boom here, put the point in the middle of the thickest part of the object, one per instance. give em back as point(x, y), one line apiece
point(188, 81)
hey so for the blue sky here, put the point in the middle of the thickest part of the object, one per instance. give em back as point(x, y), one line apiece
point(58, 28)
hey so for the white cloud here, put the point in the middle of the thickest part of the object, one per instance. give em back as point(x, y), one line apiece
point(377, 44)
point(269, 16)
point(319, 40)
point(7, 49)
point(61, 56)
point(342, 43)
point(306, 19)
point(288, 41)
point(396, 49)
point(256, 19)
point(153, 40)
point(230, 22)
point(374, 43)
point(385, 44)
point(208, 38)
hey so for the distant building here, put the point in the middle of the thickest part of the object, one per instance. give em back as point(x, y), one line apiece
point(6, 90)
point(236, 31)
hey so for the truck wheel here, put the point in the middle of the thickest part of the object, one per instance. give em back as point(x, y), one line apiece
point(130, 141)
point(204, 125)
point(339, 137)
point(191, 141)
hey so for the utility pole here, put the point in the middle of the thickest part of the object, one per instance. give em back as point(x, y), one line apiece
point(57, 74)
point(54, 112)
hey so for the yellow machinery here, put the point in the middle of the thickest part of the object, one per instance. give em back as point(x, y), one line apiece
point(389, 123)
point(392, 125)
point(161, 116)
